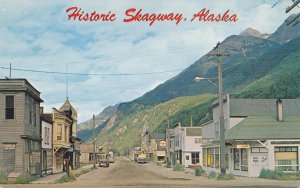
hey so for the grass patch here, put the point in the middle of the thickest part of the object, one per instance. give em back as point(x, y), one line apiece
point(199, 171)
point(3, 178)
point(167, 165)
point(22, 179)
point(279, 175)
point(82, 172)
point(225, 177)
point(66, 178)
point(178, 167)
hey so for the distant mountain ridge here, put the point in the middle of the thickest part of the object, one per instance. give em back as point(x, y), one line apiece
point(259, 66)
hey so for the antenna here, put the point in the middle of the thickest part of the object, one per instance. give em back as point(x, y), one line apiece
point(9, 70)
point(67, 81)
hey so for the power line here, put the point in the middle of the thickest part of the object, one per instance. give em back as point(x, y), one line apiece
point(91, 74)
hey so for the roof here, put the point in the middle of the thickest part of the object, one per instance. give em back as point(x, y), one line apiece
point(20, 85)
point(263, 107)
point(194, 131)
point(265, 127)
point(67, 106)
point(47, 118)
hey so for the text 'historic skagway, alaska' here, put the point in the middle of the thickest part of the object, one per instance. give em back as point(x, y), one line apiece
point(139, 15)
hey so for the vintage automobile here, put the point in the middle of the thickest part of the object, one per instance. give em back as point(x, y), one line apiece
point(111, 160)
point(103, 163)
point(142, 158)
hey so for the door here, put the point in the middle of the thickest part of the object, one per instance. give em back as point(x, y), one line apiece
point(9, 158)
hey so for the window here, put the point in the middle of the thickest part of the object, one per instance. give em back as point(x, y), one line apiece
point(212, 157)
point(34, 113)
point(204, 157)
point(59, 130)
point(244, 160)
point(187, 157)
point(47, 131)
point(236, 158)
point(66, 134)
point(286, 158)
point(259, 150)
point(208, 158)
point(9, 107)
point(195, 158)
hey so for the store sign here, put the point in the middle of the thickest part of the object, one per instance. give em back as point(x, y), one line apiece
point(163, 144)
point(242, 146)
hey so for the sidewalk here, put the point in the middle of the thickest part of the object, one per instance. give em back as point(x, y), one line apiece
point(54, 177)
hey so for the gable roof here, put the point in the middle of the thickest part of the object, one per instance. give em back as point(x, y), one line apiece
point(265, 127)
point(263, 107)
point(67, 106)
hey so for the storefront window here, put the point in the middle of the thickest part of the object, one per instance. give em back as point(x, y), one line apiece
point(236, 158)
point(212, 158)
point(208, 157)
point(286, 158)
point(244, 160)
point(204, 157)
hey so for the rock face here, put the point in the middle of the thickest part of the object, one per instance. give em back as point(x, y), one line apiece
point(254, 33)
point(99, 119)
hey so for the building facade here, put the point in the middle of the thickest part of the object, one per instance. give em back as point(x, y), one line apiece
point(188, 145)
point(74, 150)
point(61, 140)
point(47, 152)
point(260, 133)
point(20, 136)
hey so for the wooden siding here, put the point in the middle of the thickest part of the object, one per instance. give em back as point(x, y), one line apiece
point(12, 130)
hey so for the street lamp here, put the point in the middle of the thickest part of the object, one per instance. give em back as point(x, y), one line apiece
point(221, 111)
point(199, 79)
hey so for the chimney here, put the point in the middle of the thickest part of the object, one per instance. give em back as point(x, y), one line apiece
point(279, 109)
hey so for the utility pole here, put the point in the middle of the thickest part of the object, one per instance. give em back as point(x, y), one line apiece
point(94, 137)
point(296, 19)
point(295, 3)
point(221, 110)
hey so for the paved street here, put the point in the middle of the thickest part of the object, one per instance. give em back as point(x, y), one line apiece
point(125, 173)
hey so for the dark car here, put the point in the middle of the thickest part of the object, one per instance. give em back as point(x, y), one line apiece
point(104, 163)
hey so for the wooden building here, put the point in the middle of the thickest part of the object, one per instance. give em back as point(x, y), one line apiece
point(19, 128)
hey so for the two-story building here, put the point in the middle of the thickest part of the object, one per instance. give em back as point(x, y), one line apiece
point(20, 136)
point(188, 145)
point(47, 152)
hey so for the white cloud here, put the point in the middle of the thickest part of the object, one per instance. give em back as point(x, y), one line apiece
point(37, 35)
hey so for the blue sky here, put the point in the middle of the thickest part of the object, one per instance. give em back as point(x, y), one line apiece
point(37, 35)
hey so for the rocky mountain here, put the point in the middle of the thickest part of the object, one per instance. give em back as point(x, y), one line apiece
point(84, 128)
point(252, 32)
point(285, 33)
point(257, 67)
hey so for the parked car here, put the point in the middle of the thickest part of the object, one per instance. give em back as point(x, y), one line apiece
point(103, 163)
point(111, 160)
